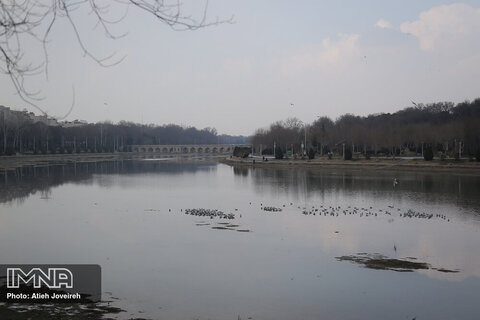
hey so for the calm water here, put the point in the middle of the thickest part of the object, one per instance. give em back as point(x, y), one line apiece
point(159, 263)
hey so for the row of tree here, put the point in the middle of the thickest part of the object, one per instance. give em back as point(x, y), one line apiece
point(444, 128)
point(20, 134)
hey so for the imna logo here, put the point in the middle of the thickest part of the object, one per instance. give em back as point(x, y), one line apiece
point(54, 278)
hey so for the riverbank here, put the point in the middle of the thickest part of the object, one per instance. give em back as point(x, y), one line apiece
point(18, 161)
point(12, 162)
point(373, 164)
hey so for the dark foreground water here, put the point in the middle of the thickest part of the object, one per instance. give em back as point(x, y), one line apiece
point(159, 263)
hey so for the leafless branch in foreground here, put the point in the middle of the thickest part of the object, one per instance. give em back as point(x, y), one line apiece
point(35, 19)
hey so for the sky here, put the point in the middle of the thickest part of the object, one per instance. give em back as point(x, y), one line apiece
point(327, 58)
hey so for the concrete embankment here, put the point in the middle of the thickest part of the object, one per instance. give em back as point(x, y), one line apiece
point(374, 164)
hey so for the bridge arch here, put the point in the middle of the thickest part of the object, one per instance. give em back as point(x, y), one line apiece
point(185, 149)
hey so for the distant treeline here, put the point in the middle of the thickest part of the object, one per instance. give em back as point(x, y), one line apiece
point(443, 128)
point(19, 134)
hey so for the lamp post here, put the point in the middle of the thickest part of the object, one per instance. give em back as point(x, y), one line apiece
point(305, 148)
point(304, 144)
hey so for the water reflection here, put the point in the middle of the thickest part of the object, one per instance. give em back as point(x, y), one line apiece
point(20, 183)
point(431, 187)
point(458, 189)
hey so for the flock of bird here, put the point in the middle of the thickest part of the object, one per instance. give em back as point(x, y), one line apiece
point(321, 210)
point(415, 214)
point(364, 211)
point(212, 213)
point(271, 209)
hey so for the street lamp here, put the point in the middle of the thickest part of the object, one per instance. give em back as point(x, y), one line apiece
point(304, 144)
point(305, 149)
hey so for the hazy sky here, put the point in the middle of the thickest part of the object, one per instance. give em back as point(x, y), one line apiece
point(326, 57)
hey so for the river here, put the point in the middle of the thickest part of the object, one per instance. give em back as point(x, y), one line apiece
point(300, 245)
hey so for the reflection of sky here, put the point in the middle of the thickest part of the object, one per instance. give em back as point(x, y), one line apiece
point(284, 269)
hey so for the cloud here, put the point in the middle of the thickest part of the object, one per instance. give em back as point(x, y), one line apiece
point(445, 26)
point(384, 24)
point(330, 53)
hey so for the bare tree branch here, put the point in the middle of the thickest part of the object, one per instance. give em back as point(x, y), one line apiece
point(36, 19)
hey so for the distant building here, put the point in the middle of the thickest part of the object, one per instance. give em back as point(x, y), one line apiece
point(3, 108)
point(52, 122)
point(49, 121)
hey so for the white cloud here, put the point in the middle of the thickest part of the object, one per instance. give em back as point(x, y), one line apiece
point(330, 53)
point(384, 24)
point(445, 26)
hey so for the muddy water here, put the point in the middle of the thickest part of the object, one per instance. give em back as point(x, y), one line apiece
point(256, 243)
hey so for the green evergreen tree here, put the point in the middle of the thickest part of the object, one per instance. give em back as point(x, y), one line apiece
point(278, 153)
point(428, 154)
point(348, 154)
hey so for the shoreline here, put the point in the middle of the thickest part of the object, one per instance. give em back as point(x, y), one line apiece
point(13, 162)
point(383, 164)
point(18, 161)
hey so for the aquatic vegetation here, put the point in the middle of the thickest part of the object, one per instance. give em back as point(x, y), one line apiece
point(73, 311)
point(380, 262)
point(221, 228)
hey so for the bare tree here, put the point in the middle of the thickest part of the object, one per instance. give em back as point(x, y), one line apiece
point(442, 126)
point(23, 19)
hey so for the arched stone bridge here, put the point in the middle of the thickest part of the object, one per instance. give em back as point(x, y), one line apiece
point(182, 149)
